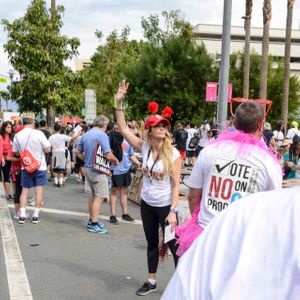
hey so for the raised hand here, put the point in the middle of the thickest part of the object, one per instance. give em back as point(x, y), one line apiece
point(123, 87)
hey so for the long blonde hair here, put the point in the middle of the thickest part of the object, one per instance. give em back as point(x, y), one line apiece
point(165, 153)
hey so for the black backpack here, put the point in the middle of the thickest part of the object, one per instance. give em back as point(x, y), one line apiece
point(194, 142)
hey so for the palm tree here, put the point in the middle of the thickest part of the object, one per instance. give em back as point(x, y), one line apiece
point(6, 96)
point(287, 56)
point(247, 27)
point(267, 15)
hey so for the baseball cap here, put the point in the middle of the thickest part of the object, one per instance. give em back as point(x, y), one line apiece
point(295, 124)
point(154, 120)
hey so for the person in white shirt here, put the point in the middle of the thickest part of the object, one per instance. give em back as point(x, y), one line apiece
point(190, 153)
point(236, 164)
point(279, 134)
point(160, 190)
point(203, 138)
point(250, 251)
point(58, 143)
point(293, 130)
point(36, 142)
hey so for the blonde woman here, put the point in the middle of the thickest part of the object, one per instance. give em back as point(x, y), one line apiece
point(161, 168)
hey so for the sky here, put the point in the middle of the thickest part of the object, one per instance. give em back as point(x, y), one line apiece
point(82, 17)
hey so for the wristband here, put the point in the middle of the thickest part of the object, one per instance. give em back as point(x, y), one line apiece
point(119, 109)
point(174, 210)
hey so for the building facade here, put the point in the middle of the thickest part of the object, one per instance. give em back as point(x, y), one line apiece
point(211, 36)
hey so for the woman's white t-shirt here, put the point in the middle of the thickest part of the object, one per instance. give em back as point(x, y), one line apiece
point(156, 192)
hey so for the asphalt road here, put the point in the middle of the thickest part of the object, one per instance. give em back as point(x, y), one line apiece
point(64, 261)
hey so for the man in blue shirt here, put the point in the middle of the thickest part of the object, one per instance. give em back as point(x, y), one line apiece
point(121, 178)
point(95, 150)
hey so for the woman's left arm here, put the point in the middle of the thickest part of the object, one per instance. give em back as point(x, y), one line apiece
point(175, 183)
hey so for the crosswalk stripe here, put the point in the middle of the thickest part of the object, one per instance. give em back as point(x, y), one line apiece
point(18, 283)
point(77, 214)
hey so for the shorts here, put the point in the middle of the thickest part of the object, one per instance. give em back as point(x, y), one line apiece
point(190, 153)
point(122, 180)
point(197, 151)
point(182, 153)
point(96, 184)
point(79, 163)
point(38, 178)
point(59, 171)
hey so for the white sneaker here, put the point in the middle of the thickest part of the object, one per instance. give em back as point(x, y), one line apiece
point(16, 217)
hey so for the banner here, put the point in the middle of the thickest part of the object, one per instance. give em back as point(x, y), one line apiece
point(211, 91)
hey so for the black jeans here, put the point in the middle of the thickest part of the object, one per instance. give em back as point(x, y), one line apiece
point(153, 216)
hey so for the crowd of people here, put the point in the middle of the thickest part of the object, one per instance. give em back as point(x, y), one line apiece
point(247, 157)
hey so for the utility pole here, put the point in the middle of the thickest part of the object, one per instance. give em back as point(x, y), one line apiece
point(51, 110)
point(224, 71)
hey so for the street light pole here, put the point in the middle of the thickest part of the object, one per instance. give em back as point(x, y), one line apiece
point(224, 71)
point(11, 77)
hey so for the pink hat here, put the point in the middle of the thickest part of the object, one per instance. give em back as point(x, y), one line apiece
point(154, 120)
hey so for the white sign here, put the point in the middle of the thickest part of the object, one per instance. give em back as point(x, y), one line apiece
point(11, 116)
point(90, 106)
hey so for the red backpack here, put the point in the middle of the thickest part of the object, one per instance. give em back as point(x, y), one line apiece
point(28, 161)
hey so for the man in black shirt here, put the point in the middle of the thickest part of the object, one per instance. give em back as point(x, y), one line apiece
point(180, 136)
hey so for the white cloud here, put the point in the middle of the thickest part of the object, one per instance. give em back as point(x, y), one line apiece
point(82, 18)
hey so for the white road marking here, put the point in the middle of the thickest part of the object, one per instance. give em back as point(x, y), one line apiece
point(76, 214)
point(18, 283)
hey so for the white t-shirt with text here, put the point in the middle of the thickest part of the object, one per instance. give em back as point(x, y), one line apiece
point(37, 142)
point(156, 190)
point(225, 176)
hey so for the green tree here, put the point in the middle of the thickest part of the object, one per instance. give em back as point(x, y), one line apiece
point(171, 70)
point(5, 96)
point(37, 50)
point(168, 67)
point(108, 65)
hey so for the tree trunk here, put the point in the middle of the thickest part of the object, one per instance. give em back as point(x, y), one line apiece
point(51, 111)
point(247, 26)
point(287, 57)
point(267, 15)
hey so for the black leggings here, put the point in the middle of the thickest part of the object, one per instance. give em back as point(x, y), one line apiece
point(18, 187)
point(6, 171)
point(152, 217)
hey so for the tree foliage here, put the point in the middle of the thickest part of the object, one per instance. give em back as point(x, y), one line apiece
point(275, 87)
point(108, 65)
point(168, 67)
point(37, 50)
